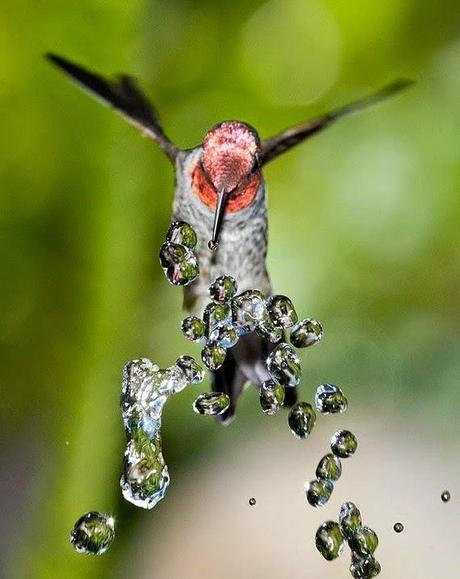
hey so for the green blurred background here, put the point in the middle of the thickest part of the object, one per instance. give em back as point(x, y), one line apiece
point(364, 231)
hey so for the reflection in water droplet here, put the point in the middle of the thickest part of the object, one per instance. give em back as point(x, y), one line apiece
point(281, 311)
point(329, 468)
point(350, 519)
point(192, 371)
point(306, 333)
point(213, 356)
point(271, 397)
point(330, 399)
point(445, 496)
point(319, 492)
point(363, 541)
point(398, 527)
point(248, 309)
point(364, 567)
point(223, 288)
point(329, 540)
point(211, 403)
point(192, 328)
point(93, 533)
point(215, 315)
point(283, 365)
point(252, 501)
point(301, 419)
point(182, 233)
point(344, 443)
point(179, 263)
point(225, 336)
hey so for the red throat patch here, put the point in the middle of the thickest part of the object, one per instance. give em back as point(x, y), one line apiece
point(238, 199)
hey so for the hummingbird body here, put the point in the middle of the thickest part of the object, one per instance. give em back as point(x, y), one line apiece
point(220, 192)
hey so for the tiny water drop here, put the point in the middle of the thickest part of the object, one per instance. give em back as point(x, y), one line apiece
point(398, 527)
point(319, 492)
point(329, 468)
point(192, 371)
point(182, 233)
point(192, 328)
point(252, 501)
point(283, 365)
point(344, 443)
point(215, 315)
point(212, 246)
point(271, 397)
point(249, 309)
point(281, 311)
point(306, 333)
point(330, 399)
point(213, 356)
point(329, 540)
point(350, 519)
point(364, 567)
point(223, 288)
point(445, 496)
point(179, 263)
point(93, 533)
point(364, 541)
point(211, 403)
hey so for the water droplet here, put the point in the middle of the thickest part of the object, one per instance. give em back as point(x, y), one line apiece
point(350, 519)
point(215, 315)
point(306, 333)
point(192, 371)
point(182, 233)
point(93, 533)
point(301, 419)
point(249, 308)
point(398, 527)
point(329, 540)
point(364, 541)
point(223, 288)
point(225, 336)
point(281, 311)
point(330, 399)
point(283, 365)
point(192, 328)
point(212, 246)
point(271, 397)
point(211, 403)
point(445, 496)
point(252, 501)
point(179, 263)
point(364, 567)
point(343, 443)
point(319, 492)
point(329, 468)
point(213, 356)
point(145, 477)
point(266, 329)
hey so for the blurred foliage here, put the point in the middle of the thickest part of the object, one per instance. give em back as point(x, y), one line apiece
point(368, 214)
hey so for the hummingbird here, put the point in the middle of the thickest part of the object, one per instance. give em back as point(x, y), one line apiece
point(220, 191)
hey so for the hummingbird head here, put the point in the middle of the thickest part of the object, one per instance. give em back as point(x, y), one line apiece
point(230, 162)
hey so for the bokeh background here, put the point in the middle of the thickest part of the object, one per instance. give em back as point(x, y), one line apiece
point(364, 236)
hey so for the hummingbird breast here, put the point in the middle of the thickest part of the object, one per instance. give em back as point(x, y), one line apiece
point(242, 247)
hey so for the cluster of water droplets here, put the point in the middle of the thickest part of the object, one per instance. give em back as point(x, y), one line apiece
point(145, 390)
point(177, 259)
point(362, 540)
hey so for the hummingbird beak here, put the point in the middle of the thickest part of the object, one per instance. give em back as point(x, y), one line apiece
point(218, 218)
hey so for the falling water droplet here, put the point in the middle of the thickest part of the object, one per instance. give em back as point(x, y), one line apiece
point(271, 397)
point(216, 315)
point(224, 335)
point(364, 541)
point(281, 311)
point(329, 540)
point(343, 443)
point(193, 372)
point(252, 501)
point(211, 403)
point(213, 356)
point(249, 309)
point(193, 328)
point(93, 533)
point(306, 333)
point(330, 399)
point(364, 567)
point(301, 419)
point(329, 468)
point(398, 527)
point(283, 365)
point(182, 233)
point(319, 492)
point(445, 496)
point(179, 263)
point(212, 246)
point(266, 329)
point(223, 288)
point(350, 519)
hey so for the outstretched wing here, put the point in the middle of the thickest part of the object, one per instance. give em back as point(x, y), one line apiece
point(123, 95)
point(271, 148)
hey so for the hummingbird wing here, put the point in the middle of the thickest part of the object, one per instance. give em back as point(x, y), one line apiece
point(124, 96)
point(279, 144)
